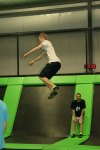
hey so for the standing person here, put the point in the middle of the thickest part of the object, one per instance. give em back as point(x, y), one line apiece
point(53, 65)
point(3, 123)
point(78, 107)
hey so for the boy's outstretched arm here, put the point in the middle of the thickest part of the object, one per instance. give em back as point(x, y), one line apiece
point(32, 50)
point(39, 57)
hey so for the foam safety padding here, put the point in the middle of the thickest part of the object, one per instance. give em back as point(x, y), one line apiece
point(6, 135)
point(63, 80)
point(32, 81)
point(15, 80)
point(96, 79)
point(71, 147)
point(3, 81)
point(66, 143)
point(24, 146)
point(11, 99)
point(85, 79)
point(86, 91)
point(84, 147)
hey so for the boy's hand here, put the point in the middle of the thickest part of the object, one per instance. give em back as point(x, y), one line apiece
point(31, 63)
point(25, 55)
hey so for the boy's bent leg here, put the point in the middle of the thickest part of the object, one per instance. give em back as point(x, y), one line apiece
point(48, 86)
point(47, 81)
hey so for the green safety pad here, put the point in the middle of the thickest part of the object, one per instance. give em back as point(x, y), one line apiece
point(84, 147)
point(32, 81)
point(55, 148)
point(96, 79)
point(71, 147)
point(85, 79)
point(63, 80)
point(86, 91)
point(11, 99)
point(60, 80)
point(15, 80)
point(6, 135)
point(3, 81)
point(66, 143)
point(24, 146)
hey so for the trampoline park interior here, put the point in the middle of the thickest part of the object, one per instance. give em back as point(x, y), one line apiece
point(35, 122)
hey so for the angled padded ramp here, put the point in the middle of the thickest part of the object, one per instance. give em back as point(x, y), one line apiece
point(11, 99)
point(86, 91)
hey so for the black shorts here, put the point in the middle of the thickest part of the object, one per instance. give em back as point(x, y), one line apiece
point(50, 70)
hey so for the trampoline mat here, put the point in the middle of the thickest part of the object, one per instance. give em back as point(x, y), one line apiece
point(42, 121)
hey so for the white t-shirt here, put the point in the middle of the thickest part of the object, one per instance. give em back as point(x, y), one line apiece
point(49, 50)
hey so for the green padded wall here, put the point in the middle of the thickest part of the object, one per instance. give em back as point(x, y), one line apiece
point(3, 81)
point(62, 80)
point(96, 79)
point(11, 99)
point(32, 81)
point(15, 80)
point(84, 79)
point(59, 80)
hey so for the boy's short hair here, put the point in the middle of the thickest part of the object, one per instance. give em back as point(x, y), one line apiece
point(43, 35)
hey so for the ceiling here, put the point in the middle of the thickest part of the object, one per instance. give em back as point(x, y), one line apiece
point(15, 4)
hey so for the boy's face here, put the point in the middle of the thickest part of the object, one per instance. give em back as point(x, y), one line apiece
point(41, 39)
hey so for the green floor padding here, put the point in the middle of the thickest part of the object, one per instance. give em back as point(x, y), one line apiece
point(84, 79)
point(74, 147)
point(24, 146)
point(3, 81)
point(69, 141)
point(11, 99)
point(62, 80)
point(15, 80)
point(32, 81)
point(83, 147)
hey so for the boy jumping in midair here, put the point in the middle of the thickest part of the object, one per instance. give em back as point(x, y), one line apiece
point(51, 68)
